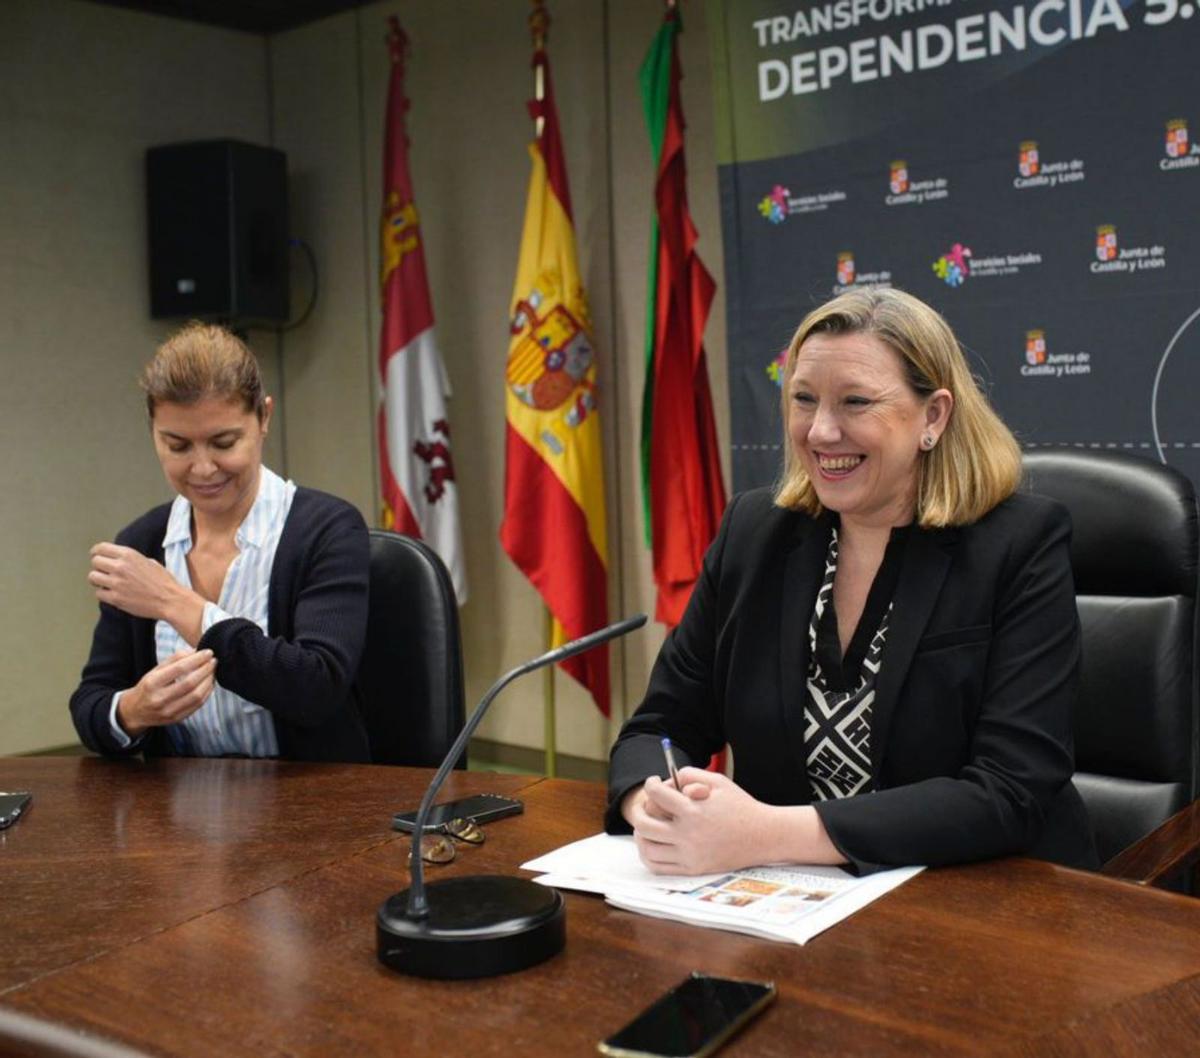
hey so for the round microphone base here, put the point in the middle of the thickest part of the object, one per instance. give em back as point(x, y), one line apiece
point(478, 926)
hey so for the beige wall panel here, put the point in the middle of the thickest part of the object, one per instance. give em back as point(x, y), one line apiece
point(84, 90)
point(326, 362)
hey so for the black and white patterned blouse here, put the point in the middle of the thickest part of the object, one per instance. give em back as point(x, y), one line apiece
point(840, 691)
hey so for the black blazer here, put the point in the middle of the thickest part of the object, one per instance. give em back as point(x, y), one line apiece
point(971, 742)
point(303, 670)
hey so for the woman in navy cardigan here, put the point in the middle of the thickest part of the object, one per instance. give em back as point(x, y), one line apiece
point(888, 641)
point(232, 620)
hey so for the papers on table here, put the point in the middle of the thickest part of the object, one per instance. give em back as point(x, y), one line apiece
point(792, 903)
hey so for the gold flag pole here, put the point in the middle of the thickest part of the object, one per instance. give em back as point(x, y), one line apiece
point(539, 22)
point(549, 737)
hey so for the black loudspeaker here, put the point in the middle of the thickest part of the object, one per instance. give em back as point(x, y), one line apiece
point(218, 232)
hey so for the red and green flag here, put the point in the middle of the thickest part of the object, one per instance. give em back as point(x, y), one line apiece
point(683, 494)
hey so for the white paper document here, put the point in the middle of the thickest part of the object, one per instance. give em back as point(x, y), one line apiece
point(791, 903)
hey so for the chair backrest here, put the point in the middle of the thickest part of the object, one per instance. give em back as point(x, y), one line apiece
point(1134, 557)
point(411, 675)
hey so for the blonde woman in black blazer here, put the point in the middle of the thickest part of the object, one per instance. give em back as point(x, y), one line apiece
point(888, 641)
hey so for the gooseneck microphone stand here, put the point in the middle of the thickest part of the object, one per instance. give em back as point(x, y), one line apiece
point(478, 925)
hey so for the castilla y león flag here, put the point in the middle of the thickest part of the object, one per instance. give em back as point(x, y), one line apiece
point(420, 497)
point(683, 494)
point(554, 517)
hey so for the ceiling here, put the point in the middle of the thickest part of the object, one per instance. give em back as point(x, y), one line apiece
point(252, 16)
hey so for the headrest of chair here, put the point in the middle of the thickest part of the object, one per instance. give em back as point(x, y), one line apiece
point(411, 589)
point(1135, 522)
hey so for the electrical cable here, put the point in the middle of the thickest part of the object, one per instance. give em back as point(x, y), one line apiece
point(312, 301)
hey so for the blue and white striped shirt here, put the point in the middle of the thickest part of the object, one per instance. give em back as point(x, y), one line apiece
point(226, 722)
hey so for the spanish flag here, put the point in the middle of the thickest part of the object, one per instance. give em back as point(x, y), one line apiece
point(554, 517)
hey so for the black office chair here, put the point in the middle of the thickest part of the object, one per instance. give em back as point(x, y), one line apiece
point(1134, 555)
point(411, 675)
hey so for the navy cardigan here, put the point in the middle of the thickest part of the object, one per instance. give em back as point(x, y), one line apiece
point(303, 671)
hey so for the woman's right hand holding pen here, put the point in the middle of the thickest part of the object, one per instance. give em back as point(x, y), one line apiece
point(635, 803)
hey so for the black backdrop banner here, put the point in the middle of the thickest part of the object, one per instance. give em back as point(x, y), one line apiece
point(1026, 168)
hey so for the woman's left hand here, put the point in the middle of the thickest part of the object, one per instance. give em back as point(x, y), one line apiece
point(130, 581)
point(712, 824)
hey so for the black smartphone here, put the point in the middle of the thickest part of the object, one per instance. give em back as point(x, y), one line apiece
point(693, 1019)
point(482, 808)
point(12, 804)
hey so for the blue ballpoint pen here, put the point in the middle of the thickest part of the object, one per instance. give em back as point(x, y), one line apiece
point(671, 769)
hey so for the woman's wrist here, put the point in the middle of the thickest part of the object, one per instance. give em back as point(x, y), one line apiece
point(128, 706)
point(627, 803)
point(185, 613)
point(795, 834)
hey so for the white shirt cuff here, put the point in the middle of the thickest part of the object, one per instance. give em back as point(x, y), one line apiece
point(123, 740)
point(211, 616)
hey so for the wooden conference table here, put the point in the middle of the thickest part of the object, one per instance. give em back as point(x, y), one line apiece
point(219, 907)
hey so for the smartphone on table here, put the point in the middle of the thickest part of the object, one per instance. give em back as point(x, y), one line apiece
point(692, 1020)
point(12, 804)
point(480, 808)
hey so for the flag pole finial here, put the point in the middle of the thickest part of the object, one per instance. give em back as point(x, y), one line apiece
point(397, 40)
point(539, 24)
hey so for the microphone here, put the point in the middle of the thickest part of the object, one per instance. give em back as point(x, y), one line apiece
point(477, 925)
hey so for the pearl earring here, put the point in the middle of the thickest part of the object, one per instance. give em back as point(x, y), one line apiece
point(927, 442)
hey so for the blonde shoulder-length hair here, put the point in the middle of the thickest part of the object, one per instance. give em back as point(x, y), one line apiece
point(977, 462)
